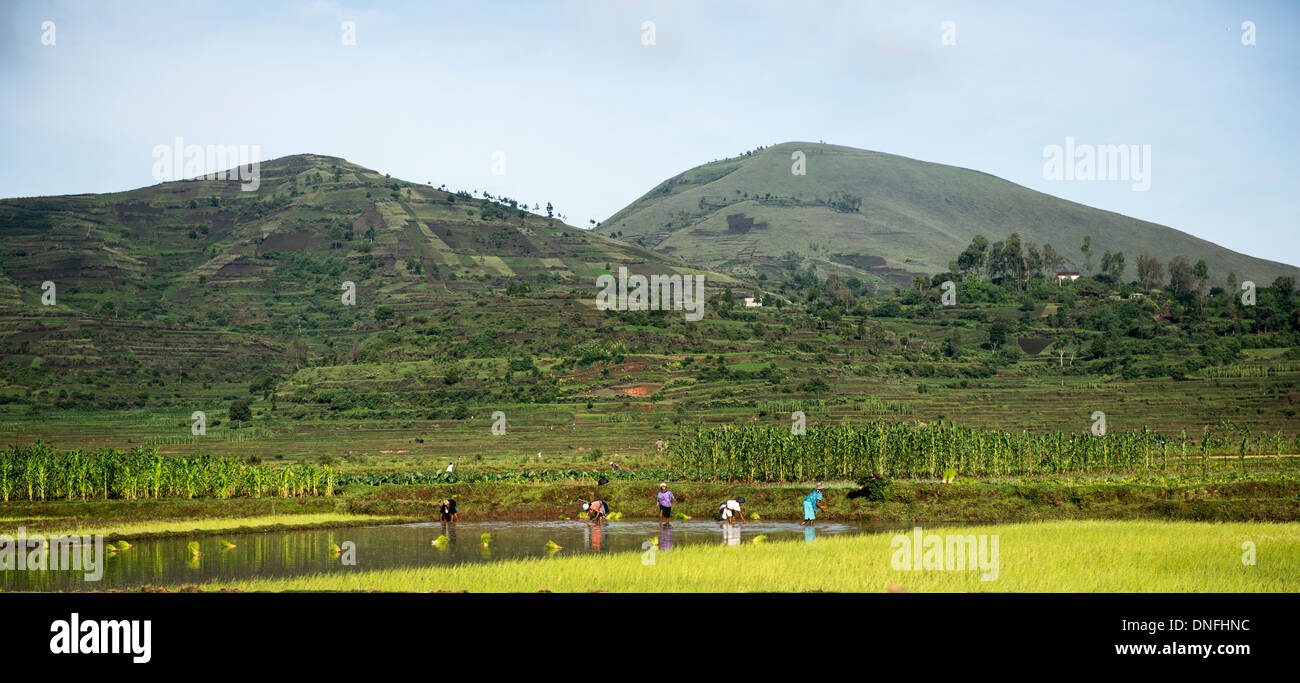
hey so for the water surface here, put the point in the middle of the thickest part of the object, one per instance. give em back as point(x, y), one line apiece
point(297, 552)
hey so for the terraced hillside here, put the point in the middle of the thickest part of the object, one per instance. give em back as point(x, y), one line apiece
point(881, 218)
point(199, 278)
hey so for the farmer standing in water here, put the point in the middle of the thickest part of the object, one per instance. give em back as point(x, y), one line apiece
point(730, 511)
point(811, 504)
point(666, 499)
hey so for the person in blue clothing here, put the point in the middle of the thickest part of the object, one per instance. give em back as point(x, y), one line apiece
point(811, 504)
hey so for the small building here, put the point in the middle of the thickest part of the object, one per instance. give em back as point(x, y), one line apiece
point(1066, 275)
point(751, 302)
point(1137, 295)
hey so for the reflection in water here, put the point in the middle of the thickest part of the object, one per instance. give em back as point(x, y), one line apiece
point(665, 536)
point(168, 561)
point(809, 534)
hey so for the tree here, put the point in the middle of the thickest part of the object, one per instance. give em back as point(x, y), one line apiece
point(1202, 273)
point(1150, 272)
point(1182, 279)
point(972, 259)
point(1086, 250)
point(1014, 259)
point(1033, 260)
point(550, 210)
point(997, 334)
point(1112, 265)
point(240, 412)
point(1052, 260)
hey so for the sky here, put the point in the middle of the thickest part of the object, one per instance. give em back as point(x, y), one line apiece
point(573, 103)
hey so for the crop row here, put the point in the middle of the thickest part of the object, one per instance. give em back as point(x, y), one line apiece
point(767, 453)
point(38, 473)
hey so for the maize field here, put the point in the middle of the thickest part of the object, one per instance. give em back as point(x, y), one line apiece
point(38, 473)
point(756, 453)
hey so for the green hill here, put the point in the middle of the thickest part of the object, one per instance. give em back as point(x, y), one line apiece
point(882, 218)
point(198, 275)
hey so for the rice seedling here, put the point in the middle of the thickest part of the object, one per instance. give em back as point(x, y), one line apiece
point(335, 549)
point(440, 541)
point(486, 538)
point(122, 545)
point(758, 539)
point(754, 516)
point(614, 516)
point(949, 475)
point(553, 546)
point(193, 548)
point(227, 545)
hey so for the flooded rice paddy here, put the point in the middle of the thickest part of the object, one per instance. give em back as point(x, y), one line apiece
point(169, 561)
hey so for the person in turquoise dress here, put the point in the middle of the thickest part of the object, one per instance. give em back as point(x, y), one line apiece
point(811, 504)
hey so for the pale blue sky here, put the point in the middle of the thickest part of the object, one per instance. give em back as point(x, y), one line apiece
point(590, 118)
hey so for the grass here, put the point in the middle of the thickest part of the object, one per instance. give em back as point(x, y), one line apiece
point(1089, 556)
point(142, 529)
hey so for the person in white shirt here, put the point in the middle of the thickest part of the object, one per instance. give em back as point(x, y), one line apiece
point(730, 511)
point(451, 467)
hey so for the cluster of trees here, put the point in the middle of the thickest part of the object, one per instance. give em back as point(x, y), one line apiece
point(1020, 261)
point(1012, 259)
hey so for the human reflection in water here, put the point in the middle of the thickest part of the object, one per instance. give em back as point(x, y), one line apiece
point(665, 536)
point(597, 534)
point(730, 535)
point(809, 534)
